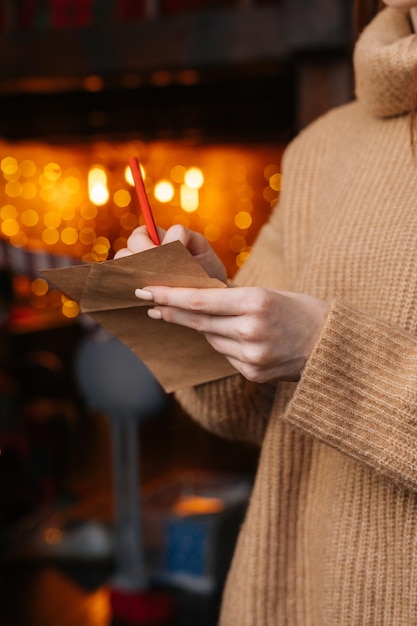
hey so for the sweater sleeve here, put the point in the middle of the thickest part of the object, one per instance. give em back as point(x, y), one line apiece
point(232, 407)
point(358, 393)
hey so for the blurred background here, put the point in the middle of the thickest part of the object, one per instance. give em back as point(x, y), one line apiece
point(206, 94)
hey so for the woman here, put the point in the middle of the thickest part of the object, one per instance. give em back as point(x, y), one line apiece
point(325, 344)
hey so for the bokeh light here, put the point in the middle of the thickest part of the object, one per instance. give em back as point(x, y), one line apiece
point(97, 186)
point(189, 199)
point(164, 191)
point(194, 178)
point(79, 200)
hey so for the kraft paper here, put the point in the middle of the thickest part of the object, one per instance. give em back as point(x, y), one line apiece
point(177, 356)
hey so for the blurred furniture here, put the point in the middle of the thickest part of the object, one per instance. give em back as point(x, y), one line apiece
point(161, 71)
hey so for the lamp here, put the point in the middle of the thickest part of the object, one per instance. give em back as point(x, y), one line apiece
point(115, 382)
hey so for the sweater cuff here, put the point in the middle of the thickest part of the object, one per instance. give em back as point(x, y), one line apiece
point(358, 392)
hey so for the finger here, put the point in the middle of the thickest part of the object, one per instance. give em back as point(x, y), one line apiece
point(177, 233)
point(195, 242)
point(206, 324)
point(252, 353)
point(122, 252)
point(139, 240)
point(229, 335)
point(227, 302)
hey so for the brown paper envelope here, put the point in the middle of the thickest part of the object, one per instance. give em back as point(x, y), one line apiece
point(177, 356)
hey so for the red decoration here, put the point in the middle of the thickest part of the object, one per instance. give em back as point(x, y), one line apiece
point(71, 13)
point(182, 6)
point(141, 607)
point(127, 10)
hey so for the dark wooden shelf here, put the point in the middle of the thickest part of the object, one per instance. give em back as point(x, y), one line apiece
point(245, 67)
point(227, 37)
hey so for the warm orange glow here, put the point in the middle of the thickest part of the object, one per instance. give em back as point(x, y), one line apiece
point(178, 173)
point(97, 186)
point(9, 227)
point(52, 219)
point(243, 220)
point(244, 204)
point(164, 191)
point(67, 212)
point(28, 191)
point(40, 302)
point(70, 309)
point(87, 236)
point(194, 178)
point(119, 243)
point(128, 221)
point(48, 193)
point(13, 189)
point(39, 287)
point(161, 78)
point(55, 298)
point(270, 170)
point(27, 168)
point(9, 165)
point(8, 211)
point(122, 198)
point(71, 185)
point(101, 246)
point(19, 240)
point(242, 257)
point(52, 171)
point(30, 217)
point(128, 176)
point(50, 236)
point(88, 211)
point(182, 219)
point(52, 535)
point(213, 232)
point(189, 199)
point(69, 236)
point(93, 83)
point(99, 194)
point(197, 505)
point(270, 195)
point(98, 608)
point(64, 199)
point(206, 212)
point(188, 77)
point(237, 243)
point(275, 182)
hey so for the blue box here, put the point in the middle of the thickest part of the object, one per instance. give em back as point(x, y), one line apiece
point(190, 525)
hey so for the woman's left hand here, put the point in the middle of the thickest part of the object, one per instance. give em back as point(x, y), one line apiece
point(265, 334)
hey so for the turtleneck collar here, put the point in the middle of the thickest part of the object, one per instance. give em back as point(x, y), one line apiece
point(384, 58)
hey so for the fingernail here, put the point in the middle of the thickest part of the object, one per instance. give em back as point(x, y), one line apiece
point(143, 294)
point(155, 314)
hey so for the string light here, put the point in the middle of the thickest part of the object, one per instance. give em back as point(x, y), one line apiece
point(194, 178)
point(97, 186)
point(79, 200)
point(122, 198)
point(9, 165)
point(164, 191)
point(189, 199)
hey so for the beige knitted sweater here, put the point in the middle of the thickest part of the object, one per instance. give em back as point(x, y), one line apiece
point(330, 537)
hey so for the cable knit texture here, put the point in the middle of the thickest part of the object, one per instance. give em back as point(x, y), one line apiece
point(330, 536)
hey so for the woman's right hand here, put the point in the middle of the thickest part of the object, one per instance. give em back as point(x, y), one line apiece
point(195, 243)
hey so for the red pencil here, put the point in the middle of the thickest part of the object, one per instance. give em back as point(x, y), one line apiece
point(143, 201)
